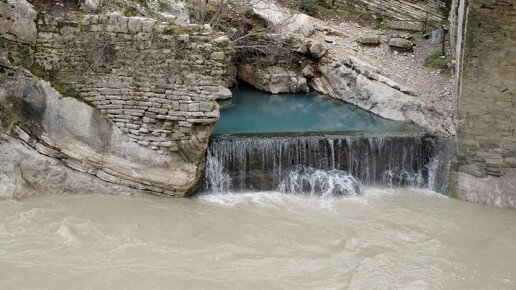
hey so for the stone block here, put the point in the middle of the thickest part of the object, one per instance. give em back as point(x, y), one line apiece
point(134, 24)
point(217, 55)
point(194, 107)
point(183, 38)
point(148, 25)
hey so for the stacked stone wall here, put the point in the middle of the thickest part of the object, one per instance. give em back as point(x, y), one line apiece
point(486, 136)
point(157, 83)
point(487, 104)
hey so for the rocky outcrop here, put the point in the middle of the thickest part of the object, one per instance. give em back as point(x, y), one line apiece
point(87, 141)
point(18, 21)
point(406, 11)
point(314, 49)
point(357, 83)
point(24, 172)
point(90, 6)
point(273, 79)
point(283, 21)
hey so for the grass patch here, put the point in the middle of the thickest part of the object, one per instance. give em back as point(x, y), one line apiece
point(439, 61)
point(175, 31)
point(62, 24)
point(41, 72)
point(9, 117)
point(131, 12)
point(381, 25)
point(65, 89)
point(419, 36)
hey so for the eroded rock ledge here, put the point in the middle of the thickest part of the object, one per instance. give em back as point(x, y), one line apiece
point(337, 73)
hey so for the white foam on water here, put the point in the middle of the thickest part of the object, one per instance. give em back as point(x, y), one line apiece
point(66, 235)
point(272, 199)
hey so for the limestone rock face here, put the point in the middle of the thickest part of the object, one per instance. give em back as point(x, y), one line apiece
point(300, 23)
point(357, 83)
point(400, 44)
point(85, 140)
point(172, 10)
point(24, 172)
point(283, 21)
point(273, 79)
point(18, 21)
point(270, 13)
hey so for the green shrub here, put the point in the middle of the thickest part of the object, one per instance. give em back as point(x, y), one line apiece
point(439, 61)
point(309, 7)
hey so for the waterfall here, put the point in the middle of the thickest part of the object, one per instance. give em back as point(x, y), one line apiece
point(324, 165)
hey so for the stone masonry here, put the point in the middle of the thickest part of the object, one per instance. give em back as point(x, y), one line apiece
point(486, 136)
point(157, 83)
point(128, 103)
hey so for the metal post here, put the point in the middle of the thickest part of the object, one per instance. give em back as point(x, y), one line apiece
point(444, 39)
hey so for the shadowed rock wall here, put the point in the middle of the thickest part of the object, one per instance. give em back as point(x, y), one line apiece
point(486, 136)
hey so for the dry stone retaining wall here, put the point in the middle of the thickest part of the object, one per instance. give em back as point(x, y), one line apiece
point(486, 136)
point(157, 83)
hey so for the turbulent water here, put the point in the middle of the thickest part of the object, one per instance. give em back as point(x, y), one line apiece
point(304, 163)
point(383, 239)
point(310, 215)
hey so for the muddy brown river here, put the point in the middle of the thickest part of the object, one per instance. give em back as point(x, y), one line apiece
point(384, 239)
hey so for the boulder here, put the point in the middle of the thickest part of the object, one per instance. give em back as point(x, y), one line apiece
point(300, 23)
point(304, 48)
point(221, 40)
point(318, 50)
point(309, 71)
point(224, 94)
point(173, 11)
point(90, 6)
point(283, 20)
point(372, 39)
point(269, 13)
point(401, 44)
point(330, 39)
point(273, 79)
point(18, 21)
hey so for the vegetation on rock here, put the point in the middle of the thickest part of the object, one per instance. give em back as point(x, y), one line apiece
point(439, 61)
